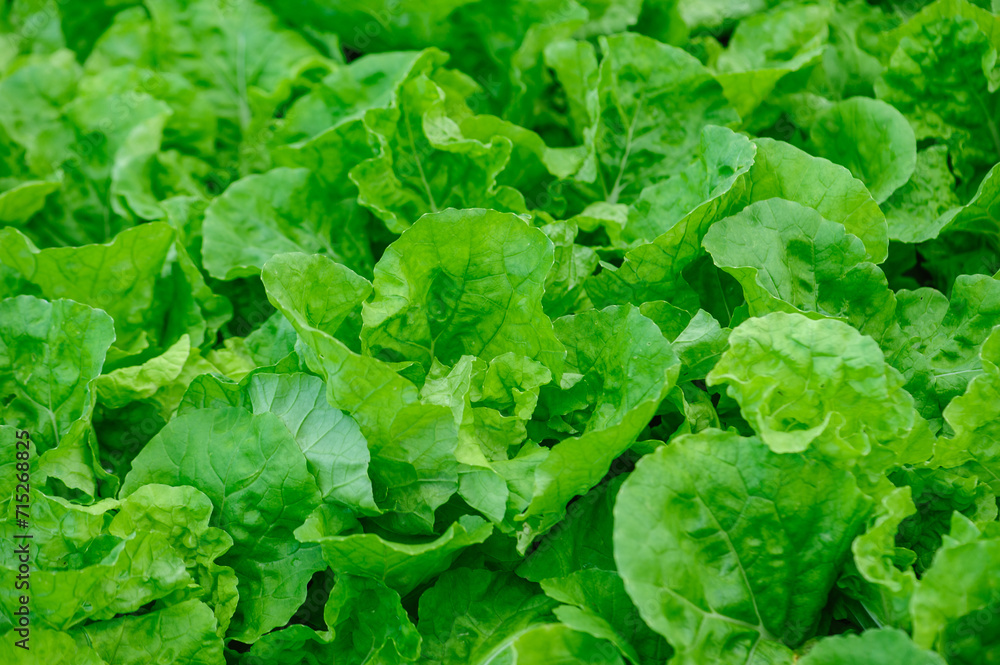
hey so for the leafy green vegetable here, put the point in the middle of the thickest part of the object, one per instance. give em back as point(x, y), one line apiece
point(737, 545)
point(848, 133)
point(462, 283)
point(251, 455)
point(496, 332)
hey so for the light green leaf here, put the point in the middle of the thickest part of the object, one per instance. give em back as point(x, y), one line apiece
point(886, 646)
point(767, 47)
point(820, 385)
point(469, 616)
point(118, 277)
point(401, 566)
point(975, 418)
point(415, 469)
point(558, 644)
point(674, 204)
point(596, 603)
point(727, 548)
point(884, 589)
point(954, 608)
point(463, 283)
point(19, 203)
point(251, 455)
point(184, 634)
point(937, 344)
point(128, 384)
point(336, 452)
point(788, 258)
point(48, 646)
point(948, 36)
point(575, 66)
point(316, 295)
point(872, 139)
point(284, 210)
point(652, 102)
point(50, 354)
point(425, 164)
point(979, 215)
point(181, 515)
point(343, 97)
point(698, 346)
point(665, 268)
point(627, 369)
point(916, 211)
point(366, 624)
point(80, 573)
point(582, 541)
point(782, 171)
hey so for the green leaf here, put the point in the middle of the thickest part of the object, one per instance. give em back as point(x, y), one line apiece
point(182, 516)
point(251, 454)
point(582, 540)
point(118, 277)
point(245, 61)
point(317, 295)
point(559, 644)
point(50, 355)
point(400, 566)
point(81, 573)
point(502, 46)
point(938, 494)
point(820, 385)
point(341, 99)
point(883, 588)
point(425, 164)
point(366, 624)
point(938, 341)
point(973, 417)
point(872, 139)
point(416, 469)
point(575, 66)
point(183, 633)
point(652, 102)
point(377, 26)
point(782, 171)
point(948, 36)
point(462, 283)
point(698, 346)
point(128, 384)
point(886, 646)
point(20, 202)
point(727, 547)
point(284, 210)
point(767, 47)
point(663, 269)
point(627, 369)
point(916, 211)
point(336, 452)
point(534, 167)
point(954, 606)
point(469, 615)
point(979, 215)
point(49, 646)
point(788, 258)
point(673, 205)
point(596, 603)
point(406, 477)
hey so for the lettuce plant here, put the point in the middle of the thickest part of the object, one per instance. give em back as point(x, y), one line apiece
point(475, 332)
